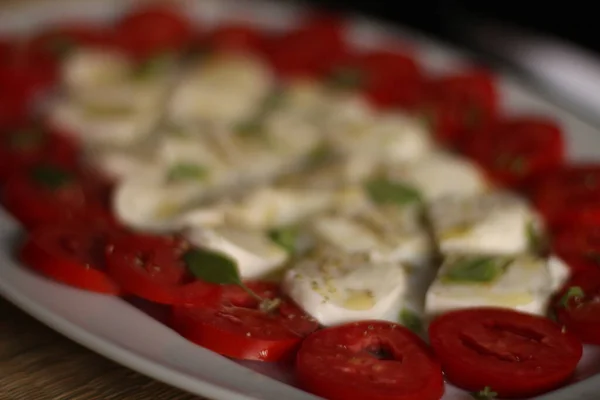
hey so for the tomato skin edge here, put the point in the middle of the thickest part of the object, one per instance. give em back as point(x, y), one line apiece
point(69, 273)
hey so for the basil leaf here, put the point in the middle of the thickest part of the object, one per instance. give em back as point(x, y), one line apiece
point(320, 155)
point(153, 66)
point(286, 237)
point(486, 394)
point(26, 139)
point(51, 177)
point(476, 269)
point(272, 101)
point(382, 191)
point(212, 267)
point(61, 46)
point(411, 320)
point(574, 292)
point(252, 127)
point(536, 241)
point(346, 79)
point(187, 171)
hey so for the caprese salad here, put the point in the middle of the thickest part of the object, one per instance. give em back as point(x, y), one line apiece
point(293, 198)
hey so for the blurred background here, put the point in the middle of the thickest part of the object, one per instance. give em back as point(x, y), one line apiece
point(574, 21)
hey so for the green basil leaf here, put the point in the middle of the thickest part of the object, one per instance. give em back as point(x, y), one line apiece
point(187, 172)
point(153, 66)
point(476, 269)
point(272, 101)
point(252, 127)
point(486, 394)
point(346, 79)
point(383, 191)
point(411, 320)
point(61, 46)
point(212, 267)
point(574, 292)
point(50, 176)
point(286, 237)
point(320, 155)
point(26, 139)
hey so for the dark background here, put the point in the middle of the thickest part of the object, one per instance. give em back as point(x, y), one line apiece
point(575, 21)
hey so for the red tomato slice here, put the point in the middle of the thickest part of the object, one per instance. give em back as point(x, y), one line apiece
point(580, 244)
point(457, 104)
point(236, 37)
point(513, 151)
point(386, 77)
point(151, 267)
point(309, 51)
point(48, 193)
point(150, 30)
point(235, 327)
point(372, 360)
point(581, 314)
point(515, 354)
point(72, 254)
point(569, 196)
point(25, 146)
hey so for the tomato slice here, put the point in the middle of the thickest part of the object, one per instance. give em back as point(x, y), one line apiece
point(234, 326)
point(309, 51)
point(386, 77)
point(569, 195)
point(457, 104)
point(236, 37)
point(48, 193)
point(71, 253)
point(372, 360)
point(151, 267)
point(579, 244)
point(515, 354)
point(154, 29)
point(27, 145)
point(581, 314)
point(515, 150)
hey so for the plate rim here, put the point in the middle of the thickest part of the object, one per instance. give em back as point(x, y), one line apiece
point(582, 390)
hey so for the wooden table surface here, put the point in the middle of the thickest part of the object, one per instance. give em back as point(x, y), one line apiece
point(37, 363)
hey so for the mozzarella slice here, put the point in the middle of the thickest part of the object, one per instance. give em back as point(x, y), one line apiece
point(336, 288)
point(391, 138)
point(492, 223)
point(119, 164)
point(150, 203)
point(89, 68)
point(523, 283)
point(256, 255)
point(387, 233)
point(559, 272)
point(102, 125)
point(223, 90)
point(441, 174)
point(277, 206)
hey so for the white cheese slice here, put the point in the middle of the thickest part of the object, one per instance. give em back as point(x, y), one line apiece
point(149, 203)
point(441, 174)
point(274, 206)
point(523, 283)
point(336, 288)
point(255, 254)
point(491, 223)
point(388, 233)
point(224, 90)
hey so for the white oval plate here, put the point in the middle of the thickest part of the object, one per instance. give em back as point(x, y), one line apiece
point(122, 332)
